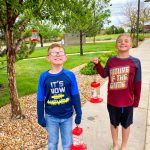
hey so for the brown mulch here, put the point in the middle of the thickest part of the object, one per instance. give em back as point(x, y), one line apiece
point(26, 134)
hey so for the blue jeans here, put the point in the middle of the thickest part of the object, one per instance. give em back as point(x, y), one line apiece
point(53, 125)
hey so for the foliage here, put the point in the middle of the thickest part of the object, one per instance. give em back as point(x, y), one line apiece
point(89, 69)
point(86, 15)
point(99, 17)
point(141, 37)
point(14, 18)
point(45, 28)
point(25, 50)
point(130, 12)
point(114, 30)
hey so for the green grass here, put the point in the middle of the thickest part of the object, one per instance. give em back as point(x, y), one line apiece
point(147, 35)
point(111, 37)
point(90, 47)
point(103, 37)
point(28, 71)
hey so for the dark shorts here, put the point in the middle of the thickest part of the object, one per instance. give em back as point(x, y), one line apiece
point(120, 115)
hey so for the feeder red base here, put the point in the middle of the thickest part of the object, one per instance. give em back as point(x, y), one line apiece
point(35, 40)
point(96, 100)
point(79, 147)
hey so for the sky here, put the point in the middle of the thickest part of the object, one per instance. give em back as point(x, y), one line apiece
point(117, 17)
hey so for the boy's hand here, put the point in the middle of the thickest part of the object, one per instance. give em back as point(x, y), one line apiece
point(77, 125)
point(95, 60)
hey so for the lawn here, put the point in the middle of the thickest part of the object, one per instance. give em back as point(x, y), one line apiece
point(111, 37)
point(28, 71)
point(89, 47)
point(103, 37)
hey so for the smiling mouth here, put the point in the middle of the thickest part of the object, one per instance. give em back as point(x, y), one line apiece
point(57, 59)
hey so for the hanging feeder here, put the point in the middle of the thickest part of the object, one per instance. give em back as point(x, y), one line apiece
point(78, 139)
point(95, 93)
point(34, 37)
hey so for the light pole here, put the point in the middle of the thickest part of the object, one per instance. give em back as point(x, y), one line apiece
point(137, 25)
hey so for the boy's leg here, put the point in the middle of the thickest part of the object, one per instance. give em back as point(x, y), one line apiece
point(114, 115)
point(114, 133)
point(66, 133)
point(52, 126)
point(125, 136)
point(126, 121)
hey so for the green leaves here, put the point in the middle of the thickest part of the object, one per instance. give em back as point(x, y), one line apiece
point(25, 50)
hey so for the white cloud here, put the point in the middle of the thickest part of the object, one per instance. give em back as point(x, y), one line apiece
point(117, 16)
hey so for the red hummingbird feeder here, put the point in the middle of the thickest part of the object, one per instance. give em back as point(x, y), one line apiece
point(34, 37)
point(78, 139)
point(95, 93)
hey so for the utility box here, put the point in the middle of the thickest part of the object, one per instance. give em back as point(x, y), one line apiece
point(73, 39)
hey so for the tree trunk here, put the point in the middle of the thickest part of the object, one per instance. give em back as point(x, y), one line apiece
point(94, 39)
point(15, 105)
point(81, 44)
point(41, 40)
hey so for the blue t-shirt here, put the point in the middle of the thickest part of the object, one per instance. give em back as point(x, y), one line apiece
point(59, 94)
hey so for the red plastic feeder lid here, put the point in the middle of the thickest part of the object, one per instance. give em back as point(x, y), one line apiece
point(96, 100)
point(95, 84)
point(34, 30)
point(79, 147)
point(77, 131)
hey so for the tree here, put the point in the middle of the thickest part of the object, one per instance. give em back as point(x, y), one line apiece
point(130, 12)
point(15, 15)
point(121, 30)
point(100, 16)
point(79, 18)
point(84, 16)
point(45, 29)
point(112, 30)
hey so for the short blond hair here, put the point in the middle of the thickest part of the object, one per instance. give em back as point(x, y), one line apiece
point(124, 34)
point(55, 45)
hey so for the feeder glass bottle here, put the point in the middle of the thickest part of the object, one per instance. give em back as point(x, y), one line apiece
point(78, 143)
point(95, 92)
point(34, 37)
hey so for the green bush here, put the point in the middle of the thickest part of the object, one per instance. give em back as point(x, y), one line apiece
point(89, 69)
point(141, 37)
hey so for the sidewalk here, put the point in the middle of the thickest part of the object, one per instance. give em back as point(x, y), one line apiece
point(95, 120)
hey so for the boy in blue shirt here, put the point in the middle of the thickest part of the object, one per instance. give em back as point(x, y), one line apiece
point(57, 97)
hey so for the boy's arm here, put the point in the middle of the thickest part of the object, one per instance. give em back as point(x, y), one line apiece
point(100, 69)
point(40, 103)
point(137, 85)
point(76, 99)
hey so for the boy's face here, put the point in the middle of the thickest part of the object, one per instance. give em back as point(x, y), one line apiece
point(57, 56)
point(123, 43)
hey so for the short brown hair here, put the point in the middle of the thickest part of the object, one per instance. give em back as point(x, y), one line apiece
point(55, 45)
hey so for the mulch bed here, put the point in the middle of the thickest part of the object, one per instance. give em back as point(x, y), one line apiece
point(26, 134)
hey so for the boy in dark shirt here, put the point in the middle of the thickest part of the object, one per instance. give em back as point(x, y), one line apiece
point(124, 88)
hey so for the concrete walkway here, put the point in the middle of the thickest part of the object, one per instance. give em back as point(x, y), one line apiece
point(95, 120)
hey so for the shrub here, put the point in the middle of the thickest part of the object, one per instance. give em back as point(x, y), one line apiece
point(141, 37)
point(89, 69)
